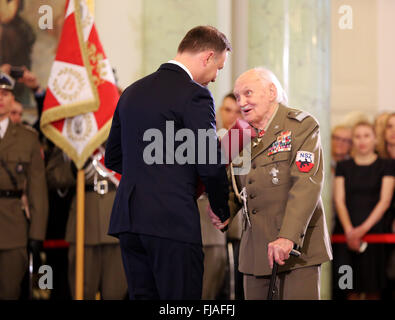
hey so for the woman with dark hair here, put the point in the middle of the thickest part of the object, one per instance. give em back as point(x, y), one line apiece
point(364, 186)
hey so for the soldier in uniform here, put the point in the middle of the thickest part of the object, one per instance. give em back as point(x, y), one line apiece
point(283, 207)
point(21, 171)
point(214, 249)
point(103, 270)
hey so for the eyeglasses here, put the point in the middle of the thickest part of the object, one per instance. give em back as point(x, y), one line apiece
point(340, 139)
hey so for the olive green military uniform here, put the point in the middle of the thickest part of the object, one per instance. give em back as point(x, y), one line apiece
point(103, 270)
point(284, 201)
point(214, 248)
point(21, 170)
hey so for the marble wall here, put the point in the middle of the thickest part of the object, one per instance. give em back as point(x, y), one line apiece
point(166, 22)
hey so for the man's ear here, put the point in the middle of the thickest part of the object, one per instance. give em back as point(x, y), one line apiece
point(273, 92)
point(207, 56)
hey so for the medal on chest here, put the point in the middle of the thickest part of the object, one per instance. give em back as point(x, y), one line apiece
point(282, 143)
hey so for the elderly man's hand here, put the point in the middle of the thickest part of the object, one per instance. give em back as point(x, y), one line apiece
point(215, 220)
point(279, 250)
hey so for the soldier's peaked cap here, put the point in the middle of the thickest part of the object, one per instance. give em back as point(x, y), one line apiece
point(6, 82)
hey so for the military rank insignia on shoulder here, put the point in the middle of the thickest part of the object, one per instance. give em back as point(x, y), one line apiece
point(304, 161)
point(298, 115)
point(29, 128)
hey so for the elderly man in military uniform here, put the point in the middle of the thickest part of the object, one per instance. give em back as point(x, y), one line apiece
point(282, 193)
point(21, 171)
point(103, 270)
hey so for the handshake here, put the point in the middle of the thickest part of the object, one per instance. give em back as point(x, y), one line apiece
point(217, 221)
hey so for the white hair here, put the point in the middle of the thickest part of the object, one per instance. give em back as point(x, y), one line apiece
point(269, 77)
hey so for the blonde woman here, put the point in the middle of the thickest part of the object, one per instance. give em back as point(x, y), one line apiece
point(363, 191)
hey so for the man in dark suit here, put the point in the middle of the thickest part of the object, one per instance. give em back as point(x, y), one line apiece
point(155, 214)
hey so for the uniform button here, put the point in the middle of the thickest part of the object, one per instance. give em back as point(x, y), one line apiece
point(250, 181)
point(302, 235)
point(254, 211)
point(253, 166)
point(252, 196)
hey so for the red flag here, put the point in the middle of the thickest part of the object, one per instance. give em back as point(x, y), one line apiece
point(81, 95)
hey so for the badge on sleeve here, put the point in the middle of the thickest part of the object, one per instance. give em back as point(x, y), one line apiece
point(305, 161)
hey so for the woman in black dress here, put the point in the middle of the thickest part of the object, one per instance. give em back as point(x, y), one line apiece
point(363, 191)
point(386, 149)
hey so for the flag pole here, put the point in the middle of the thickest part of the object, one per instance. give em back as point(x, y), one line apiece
point(91, 6)
point(80, 228)
point(80, 225)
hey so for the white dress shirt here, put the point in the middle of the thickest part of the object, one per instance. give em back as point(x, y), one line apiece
point(182, 66)
point(3, 127)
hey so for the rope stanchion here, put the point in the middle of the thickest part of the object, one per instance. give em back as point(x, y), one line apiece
point(369, 238)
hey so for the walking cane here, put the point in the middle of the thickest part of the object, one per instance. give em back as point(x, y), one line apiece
point(272, 285)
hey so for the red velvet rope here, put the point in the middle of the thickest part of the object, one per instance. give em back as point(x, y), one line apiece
point(55, 244)
point(369, 238)
point(336, 238)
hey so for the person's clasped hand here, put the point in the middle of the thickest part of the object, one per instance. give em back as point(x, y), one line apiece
point(215, 220)
point(353, 242)
point(354, 238)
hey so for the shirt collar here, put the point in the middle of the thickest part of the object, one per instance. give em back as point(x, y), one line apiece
point(3, 126)
point(271, 118)
point(182, 66)
point(259, 132)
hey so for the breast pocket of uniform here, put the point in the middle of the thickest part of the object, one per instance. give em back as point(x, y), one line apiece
point(277, 169)
point(18, 164)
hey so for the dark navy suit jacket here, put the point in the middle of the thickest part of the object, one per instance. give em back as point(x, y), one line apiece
point(159, 199)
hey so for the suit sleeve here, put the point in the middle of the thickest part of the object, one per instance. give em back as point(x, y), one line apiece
point(306, 187)
point(113, 155)
point(36, 190)
point(200, 114)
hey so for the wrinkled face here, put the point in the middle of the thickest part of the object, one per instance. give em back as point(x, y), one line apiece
point(16, 112)
point(6, 101)
point(341, 142)
point(229, 112)
point(389, 133)
point(364, 140)
point(254, 96)
point(211, 67)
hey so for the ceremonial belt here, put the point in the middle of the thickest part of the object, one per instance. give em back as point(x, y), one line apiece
point(11, 193)
point(93, 188)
